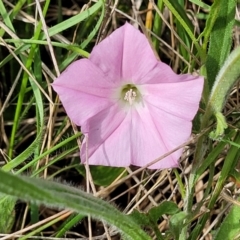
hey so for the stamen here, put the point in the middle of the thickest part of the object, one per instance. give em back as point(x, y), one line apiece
point(130, 96)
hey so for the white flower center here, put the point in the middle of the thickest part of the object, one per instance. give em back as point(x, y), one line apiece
point(130, 96)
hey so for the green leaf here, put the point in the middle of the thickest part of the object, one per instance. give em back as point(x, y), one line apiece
point(102, 175)
point(7, 213)
point(225, 80)
point(229, 228)
point(144, 220)
point(229, 164)
point(212, 16)
point(62, 196)
point(220, 38)
point(221, 126)
point(150, 219)
point(177, 223)
point(164, 208)
point(213, 154)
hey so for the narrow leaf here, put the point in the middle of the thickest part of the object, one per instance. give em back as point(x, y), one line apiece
point(63, 196)
point(7, 213)
point(229, 229)
point(220, 39)
point(226, 78)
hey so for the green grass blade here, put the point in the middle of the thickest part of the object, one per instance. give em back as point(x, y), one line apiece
point(180, 15)
point(73, 20)
point(157, 25)
point(183, 34)
point(61, 27)
point(68, 224)
point(56, 159)
point(6, 18)
point(84, 44)
point(24, 83)
point(22, 157)
point(201, 4)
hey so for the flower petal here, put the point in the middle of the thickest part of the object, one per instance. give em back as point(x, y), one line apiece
point(84, 90)
point(180, 99)
point(162, 73)
point(125, 55)
point(155, 133)
point(136, 137)
point(105, 143)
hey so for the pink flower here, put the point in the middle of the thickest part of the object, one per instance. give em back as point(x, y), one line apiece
point(132, 107)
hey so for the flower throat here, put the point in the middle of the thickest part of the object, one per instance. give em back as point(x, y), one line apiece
point(130, 94)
